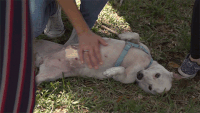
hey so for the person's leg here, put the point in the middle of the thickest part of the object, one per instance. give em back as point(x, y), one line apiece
point(17, 80)
point(191, 65)
point(55, 27)
point(195, 31)
point(41, 10)
point(90, 10)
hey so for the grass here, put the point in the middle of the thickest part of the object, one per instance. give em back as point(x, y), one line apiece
point(164, 26)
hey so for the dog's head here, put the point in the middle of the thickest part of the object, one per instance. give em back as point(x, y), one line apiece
point(155, 79)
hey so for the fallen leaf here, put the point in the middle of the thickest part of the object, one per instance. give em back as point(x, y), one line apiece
point(40, 88)
point(119, 99)
point(95, 98)
point(174, 65)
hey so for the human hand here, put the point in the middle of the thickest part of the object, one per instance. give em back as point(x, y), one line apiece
point(89, 46)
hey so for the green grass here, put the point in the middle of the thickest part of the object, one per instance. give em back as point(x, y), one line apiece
point(164, 26)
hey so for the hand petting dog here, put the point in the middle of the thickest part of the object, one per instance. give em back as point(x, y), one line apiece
point(89, 49)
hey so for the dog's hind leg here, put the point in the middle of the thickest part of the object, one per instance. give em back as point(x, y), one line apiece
point(43, 48)
point(48, 74)
point(54, 68)
point(130, 36)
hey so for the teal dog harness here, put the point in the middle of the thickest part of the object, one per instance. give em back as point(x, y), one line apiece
point(125, 51)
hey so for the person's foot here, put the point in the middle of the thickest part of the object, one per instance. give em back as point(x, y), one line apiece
point(189, 67)
point(55, 27)
point(73, 39)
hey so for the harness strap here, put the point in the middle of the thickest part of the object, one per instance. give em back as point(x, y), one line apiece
point(125, 51)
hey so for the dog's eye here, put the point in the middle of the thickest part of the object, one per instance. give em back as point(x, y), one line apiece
point(157, 75)
point(150, 87)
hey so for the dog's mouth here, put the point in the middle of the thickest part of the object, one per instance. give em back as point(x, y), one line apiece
point(136, 82)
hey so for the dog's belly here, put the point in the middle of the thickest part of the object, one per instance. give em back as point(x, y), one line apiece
point(109, 55)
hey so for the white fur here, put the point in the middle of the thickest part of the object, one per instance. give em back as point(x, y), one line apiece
point(52, 61)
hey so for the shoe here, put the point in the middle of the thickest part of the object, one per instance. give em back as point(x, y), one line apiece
point(73, 39)
point(188, 69)
point(55, 27)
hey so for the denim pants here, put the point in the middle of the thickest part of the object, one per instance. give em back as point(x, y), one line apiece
point(41, 10)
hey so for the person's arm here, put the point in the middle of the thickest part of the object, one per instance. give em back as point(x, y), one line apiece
point(87, 39)
point(74, 15)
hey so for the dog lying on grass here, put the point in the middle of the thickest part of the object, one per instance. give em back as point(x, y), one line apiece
point(54, 60)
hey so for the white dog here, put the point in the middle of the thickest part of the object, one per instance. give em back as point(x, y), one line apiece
point(55, 60)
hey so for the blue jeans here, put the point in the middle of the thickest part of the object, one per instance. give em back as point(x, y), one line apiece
point(41, 10)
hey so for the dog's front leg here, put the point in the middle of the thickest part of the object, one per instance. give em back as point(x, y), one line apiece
point(114, 71)
point(119, 74)
point(127, 75)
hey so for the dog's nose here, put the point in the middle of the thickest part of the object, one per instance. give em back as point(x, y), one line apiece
point(139, 75)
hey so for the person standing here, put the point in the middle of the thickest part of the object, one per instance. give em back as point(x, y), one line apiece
point(191, 64)
point(17, 79)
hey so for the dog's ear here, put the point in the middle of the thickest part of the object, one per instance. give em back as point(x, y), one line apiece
point(154, 63)
point(171, 74)
point(176, 76)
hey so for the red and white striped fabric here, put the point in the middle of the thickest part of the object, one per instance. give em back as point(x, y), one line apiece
point(17, 80)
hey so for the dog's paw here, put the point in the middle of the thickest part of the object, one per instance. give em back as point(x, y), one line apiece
point(130, 36)
point(108, 73)
point(113, 71)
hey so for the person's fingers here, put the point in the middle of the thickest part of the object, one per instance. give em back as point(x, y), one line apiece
point(80, 52)
point(93, 59)
point(97, 51)
point(103, 42)
point(87, 59)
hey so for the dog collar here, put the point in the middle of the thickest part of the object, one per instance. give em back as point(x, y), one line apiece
point(125, 51)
